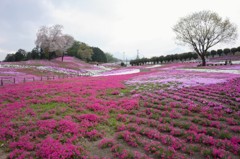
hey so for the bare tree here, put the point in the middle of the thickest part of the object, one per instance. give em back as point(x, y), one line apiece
point(51, 39)
point(203, 30)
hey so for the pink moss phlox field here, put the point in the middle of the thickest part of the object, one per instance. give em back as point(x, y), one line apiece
point(65, 109)
point(193, 117)
point(181, 78)
point(101, 117)
point(51, 148)
point(25, 71)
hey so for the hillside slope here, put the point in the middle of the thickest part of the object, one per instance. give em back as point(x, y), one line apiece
point(69, 65)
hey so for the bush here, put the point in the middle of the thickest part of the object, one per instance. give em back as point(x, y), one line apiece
point(122, 64)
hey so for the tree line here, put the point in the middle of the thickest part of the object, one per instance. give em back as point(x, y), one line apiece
point(82, 51)
point(52, 43)
point(164, 59)
point(221, 52)
point(184, 56)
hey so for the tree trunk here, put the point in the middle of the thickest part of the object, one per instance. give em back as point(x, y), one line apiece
point(203, 60)
point(62, 56)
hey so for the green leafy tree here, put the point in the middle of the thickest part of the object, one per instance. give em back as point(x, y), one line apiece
point(219, 52)
point(161, 59)
point(85, 52)
point(10, 58)
point(233, 50)
point(35, 53)
point(195, 56)
point(111, 58)
point(154, 60)
point(98, 55)
point(226, 51)
point(176, 56)
point(20, 55)
point(185, 56)
point(73, 51)
point(213, 53)
point(238, 49)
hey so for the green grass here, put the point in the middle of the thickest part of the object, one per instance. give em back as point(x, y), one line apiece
point(1, 143)
point(110, 126)
point(46, 107)
point(112, 122)
point(5, 102)
point(225, 135)
point(60, 110)
point(68, 111)
point(127, 90)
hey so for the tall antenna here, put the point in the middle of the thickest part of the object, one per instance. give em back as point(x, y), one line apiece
point(123, 56)
point(137, 54)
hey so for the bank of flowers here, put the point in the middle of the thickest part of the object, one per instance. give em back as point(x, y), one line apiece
point(101, 117)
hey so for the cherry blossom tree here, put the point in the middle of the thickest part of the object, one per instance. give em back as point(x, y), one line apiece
point(51, 39)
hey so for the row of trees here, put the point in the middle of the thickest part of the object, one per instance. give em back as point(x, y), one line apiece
point(221, 52)
point(84, 52)
point(52, 43)
point(36, 53)
point(22, 55)
point(165, 59)
point(184, 56)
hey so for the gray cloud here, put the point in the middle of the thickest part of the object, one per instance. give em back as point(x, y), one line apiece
point(20, 20)
point(115, 26)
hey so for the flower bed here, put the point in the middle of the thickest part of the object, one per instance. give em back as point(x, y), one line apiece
point(97, 117)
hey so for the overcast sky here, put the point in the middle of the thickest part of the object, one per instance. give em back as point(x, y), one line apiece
point(115, 26)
